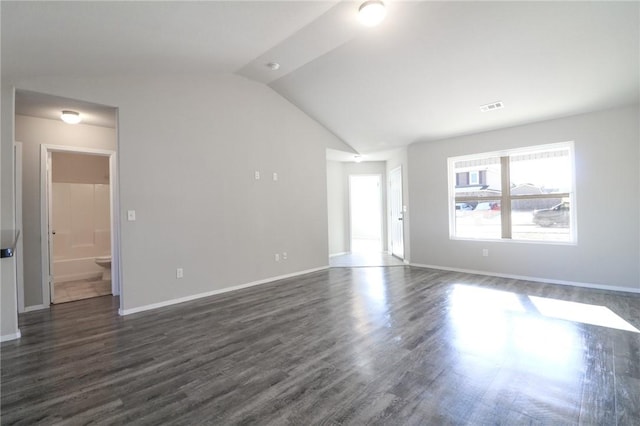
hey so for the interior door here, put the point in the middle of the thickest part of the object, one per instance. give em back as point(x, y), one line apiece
point(396, 216)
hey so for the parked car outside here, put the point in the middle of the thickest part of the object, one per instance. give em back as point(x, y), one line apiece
point(487, 210)
point(556, 215)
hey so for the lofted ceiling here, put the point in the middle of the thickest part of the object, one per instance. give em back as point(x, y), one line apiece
point(419, 76)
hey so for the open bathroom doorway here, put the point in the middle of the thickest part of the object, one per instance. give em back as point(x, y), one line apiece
point(79, 226)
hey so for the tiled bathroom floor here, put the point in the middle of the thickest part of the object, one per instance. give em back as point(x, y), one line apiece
point(82, 289)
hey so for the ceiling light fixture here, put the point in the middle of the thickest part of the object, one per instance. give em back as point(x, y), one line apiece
point(273, 66)
point(357, 158)
point(371, 12)
point(70, 117)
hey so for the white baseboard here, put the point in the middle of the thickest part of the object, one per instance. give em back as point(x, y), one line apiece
point(35, 308)
point(535, 279)
point(8, 337)
point(214, 292)
point(338, 254)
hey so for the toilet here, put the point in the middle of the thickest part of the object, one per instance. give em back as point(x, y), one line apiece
point(105, 263)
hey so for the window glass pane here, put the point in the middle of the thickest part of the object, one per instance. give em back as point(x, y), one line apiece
point(478, 219)
point(478, 177)
point(541, 220)
point(541, 172)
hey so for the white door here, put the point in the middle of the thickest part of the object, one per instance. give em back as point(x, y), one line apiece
point(396, 218)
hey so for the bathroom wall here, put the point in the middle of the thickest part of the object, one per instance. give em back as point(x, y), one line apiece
point(80, 206)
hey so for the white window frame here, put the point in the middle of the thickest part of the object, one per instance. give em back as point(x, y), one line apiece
point(506, 197)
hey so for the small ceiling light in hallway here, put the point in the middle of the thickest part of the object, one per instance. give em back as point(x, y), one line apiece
point(371, 12)
point(70, 117)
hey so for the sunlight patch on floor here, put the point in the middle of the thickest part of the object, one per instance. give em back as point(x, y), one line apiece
point(581, 312)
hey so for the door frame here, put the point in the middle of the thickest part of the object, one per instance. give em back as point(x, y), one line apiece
point(17, 197)
point(45, 215)
point(381, 208)
point(397, 170)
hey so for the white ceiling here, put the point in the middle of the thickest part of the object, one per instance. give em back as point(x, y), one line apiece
point(419, 76)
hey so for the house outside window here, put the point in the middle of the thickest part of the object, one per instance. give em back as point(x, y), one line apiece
point(474, 178)
point(524, 194)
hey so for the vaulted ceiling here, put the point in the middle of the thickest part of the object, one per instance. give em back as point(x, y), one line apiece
point(421, 75)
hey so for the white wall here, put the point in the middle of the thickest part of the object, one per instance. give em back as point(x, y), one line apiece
point(338, 211)
point(80, 168)
point(607, 194)
point(8, 290)
point(188, 149)
point(33, 132)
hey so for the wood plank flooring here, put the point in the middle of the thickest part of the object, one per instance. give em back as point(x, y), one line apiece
point(395, 345)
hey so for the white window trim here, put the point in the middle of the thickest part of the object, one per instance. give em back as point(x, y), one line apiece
point(506, 153)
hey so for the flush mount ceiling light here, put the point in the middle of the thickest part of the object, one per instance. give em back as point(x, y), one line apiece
point(70, 117)
point(273, 66)
point(371, 12)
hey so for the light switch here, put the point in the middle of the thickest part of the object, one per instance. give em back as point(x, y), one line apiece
point(131, 215)
point(257, 175)
point(275, 176)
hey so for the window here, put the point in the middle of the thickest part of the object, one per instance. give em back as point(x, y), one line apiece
point(474, 177)
point(522, 194)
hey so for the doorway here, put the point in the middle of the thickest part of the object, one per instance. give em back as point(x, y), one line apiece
point(365, 207)
point(366, 220)
point(79, 225)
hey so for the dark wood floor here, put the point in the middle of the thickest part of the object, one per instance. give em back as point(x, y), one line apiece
point(396, 345)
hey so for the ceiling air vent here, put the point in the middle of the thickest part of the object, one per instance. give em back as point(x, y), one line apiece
point(492, 106)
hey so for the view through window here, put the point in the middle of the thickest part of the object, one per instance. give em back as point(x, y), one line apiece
point(522, 194)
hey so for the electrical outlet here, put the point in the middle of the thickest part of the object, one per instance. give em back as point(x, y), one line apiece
point(485, 252)
point(179, 273)
point(275, 176)
point(277, 257)
point(256, 175)
point(284, 255)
